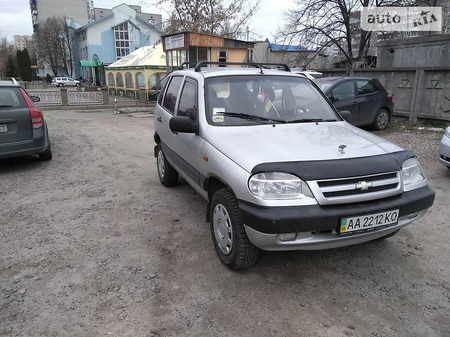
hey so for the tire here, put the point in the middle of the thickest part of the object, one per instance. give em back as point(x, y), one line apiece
point(47, 154)
point(381, 120)
point(228, 234)
point(60, 84)
point(167, 174)
point(389, 235)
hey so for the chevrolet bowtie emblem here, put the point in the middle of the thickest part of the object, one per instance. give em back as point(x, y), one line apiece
point(364, 185)
point(341, 148)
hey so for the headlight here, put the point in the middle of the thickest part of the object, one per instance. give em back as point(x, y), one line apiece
point(447, 132)
point(412, 175)
point(278, 186)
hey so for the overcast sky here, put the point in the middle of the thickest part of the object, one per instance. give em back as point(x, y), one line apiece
point(15, 17)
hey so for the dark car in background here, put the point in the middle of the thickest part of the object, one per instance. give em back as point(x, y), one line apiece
point(365, 98)
point(23, 130)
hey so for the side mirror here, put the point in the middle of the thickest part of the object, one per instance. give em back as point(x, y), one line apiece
point(346, 115)
point(35, 99)
point(182, 124)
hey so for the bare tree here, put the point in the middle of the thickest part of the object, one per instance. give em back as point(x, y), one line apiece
point(6, 50)
point(66, 47)
point(54, 44)
point(318, 24)
point(214, 17)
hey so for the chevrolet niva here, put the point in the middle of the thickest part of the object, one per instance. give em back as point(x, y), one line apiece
point(280, 168)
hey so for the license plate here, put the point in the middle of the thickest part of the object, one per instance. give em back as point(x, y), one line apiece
point(3, 128)
point(365, 223)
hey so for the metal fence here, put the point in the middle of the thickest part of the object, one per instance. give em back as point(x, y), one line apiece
point(84, 97)
point(47, 97)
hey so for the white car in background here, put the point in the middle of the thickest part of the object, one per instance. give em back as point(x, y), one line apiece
point(444, 148)
point(65, 82)
point(311, 74)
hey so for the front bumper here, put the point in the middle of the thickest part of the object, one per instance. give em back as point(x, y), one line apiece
point(317, 227)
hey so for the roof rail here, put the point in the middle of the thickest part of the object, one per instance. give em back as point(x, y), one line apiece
point(261, 66)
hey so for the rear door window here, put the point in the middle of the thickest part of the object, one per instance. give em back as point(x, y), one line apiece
point(365, 87)
point(343, 91)
point(171, 95)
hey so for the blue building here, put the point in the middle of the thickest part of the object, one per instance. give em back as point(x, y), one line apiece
point(108, 39)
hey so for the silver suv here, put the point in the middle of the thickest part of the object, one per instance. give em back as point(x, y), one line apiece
point(279, 166)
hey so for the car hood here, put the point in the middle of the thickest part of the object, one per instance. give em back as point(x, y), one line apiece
point(249, 146)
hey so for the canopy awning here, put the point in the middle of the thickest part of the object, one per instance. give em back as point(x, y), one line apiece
point(87, 63)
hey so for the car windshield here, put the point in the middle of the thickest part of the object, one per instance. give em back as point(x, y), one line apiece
point(262, 99)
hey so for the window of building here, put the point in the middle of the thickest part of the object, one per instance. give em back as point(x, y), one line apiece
point(222, 56)
point(140, 80)
point(122, 41)
point(111, 80)
point(128, 80)
point(119, 80)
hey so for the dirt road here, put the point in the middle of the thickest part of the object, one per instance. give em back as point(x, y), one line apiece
point(92, 244)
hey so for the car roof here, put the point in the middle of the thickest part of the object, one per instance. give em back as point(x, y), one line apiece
point(9, 83)
point(232, 69)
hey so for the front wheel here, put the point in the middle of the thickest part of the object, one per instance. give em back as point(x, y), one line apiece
point(167, 174)
point(381, 120)
point(230, 240)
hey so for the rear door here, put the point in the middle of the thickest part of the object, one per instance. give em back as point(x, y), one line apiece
point(164, 111)
point(343, 97)
point(369, 99)
point(15, 120)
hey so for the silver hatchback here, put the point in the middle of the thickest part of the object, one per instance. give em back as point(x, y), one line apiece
point(278, 165)
point(444, 148)
point(23, 129)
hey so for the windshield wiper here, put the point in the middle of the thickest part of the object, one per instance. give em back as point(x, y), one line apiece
point(251, 117)
point(310, 120)
point(306, 120)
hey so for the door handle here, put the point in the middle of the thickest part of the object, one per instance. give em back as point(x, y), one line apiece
point(159, 119)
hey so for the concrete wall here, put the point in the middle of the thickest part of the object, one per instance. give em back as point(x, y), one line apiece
point(418, 92)
point(421, 51)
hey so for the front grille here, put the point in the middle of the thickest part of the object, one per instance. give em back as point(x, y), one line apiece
point(356, 189)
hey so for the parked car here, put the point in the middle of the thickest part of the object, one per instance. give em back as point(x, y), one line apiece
point(366, 99)
point(444, 148)
point(65, 81)
point(311, 74)
point(279, 167)
point(23, 130)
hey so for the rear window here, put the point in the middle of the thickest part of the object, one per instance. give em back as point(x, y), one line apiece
point(10, 98)
point(365, 87)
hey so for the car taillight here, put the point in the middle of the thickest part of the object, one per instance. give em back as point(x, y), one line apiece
point(37, 119)
point(389, 97)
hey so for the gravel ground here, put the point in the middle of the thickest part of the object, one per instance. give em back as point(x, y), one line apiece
point(93, 245)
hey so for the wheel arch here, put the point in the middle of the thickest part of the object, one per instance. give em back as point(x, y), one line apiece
point(212, 185)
